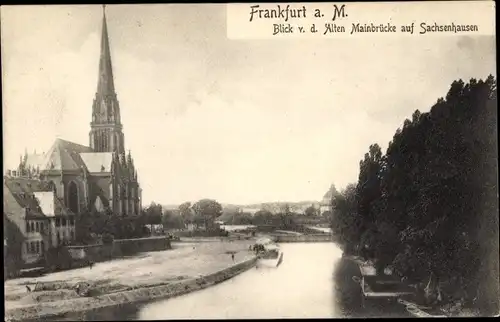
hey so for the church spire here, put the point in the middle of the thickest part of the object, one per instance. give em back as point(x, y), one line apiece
point(106, 129)
point(105, 85)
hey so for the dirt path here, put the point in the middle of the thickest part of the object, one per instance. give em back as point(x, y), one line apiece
point(184, 261)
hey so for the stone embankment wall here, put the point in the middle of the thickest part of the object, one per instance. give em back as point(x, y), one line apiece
point(319, 238)
point(79, 306)
point(119, 247)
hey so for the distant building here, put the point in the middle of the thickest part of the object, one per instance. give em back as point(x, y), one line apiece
point(36, 218)
point(326, 202)
point(98, 176)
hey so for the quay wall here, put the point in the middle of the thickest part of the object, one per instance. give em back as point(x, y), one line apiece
point(119, 247)
point(319, 238)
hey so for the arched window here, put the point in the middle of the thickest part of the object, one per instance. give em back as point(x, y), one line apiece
point(73, 203)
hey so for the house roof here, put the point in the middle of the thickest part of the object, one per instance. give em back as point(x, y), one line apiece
point(97, 161)
point(35, 195)
point(46, 202)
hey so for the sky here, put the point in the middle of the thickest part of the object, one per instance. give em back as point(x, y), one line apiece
point(239, 121)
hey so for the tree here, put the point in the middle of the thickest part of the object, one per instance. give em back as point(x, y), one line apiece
point(263, 217)
point(186, 213)
point(344, 219)
point(240, 218)
point(207, 210)
point(84, 227)
point(15, 240)
point(311, 211)
point(285, 209)
point(171, 220)
point(154, 214)
point(429, 206)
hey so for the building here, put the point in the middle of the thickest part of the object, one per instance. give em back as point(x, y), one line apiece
point(35, 220)
point(326, 202)
point(99, 176)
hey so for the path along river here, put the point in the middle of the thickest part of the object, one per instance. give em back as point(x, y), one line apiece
point(313, 281)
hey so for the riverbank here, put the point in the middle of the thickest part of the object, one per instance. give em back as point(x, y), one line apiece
point(419, 311)
point(317, 238)
point(140, 278)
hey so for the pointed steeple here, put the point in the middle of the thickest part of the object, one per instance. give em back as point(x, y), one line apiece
point(106, 129)
point(129, 158)
point(105, 85)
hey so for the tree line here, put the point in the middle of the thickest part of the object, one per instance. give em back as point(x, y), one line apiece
point(428, 207)
point(108, 225)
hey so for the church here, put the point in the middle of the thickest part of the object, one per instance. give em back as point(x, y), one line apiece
point(101, 175)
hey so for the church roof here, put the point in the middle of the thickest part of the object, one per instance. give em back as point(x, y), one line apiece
point(97, 161)
point(64, 155)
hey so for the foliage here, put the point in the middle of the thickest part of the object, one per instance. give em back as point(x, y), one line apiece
point(311, 211)
point(107, 238)
point(206, 210)
point(89, 225)
point(239, 218)
point(172, 221)
point(186, 213)
point(59, 258)
point(263, 217)
point(153, 214)
point(15, 240)
point(429, 205)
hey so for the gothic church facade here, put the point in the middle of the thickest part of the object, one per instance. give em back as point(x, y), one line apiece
point(100, 176)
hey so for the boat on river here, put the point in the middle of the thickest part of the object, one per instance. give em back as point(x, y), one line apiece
point(268, 252)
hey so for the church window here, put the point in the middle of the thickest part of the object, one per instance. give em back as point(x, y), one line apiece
point(37, 227)
point(58, 222)
point(73, 197)
point(28, 227)
point(63, 221)
point(32, 224)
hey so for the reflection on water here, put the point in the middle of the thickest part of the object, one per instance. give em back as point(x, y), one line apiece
point(300, 287)
point(313, 281)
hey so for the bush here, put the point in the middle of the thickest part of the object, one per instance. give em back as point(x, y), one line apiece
point(59, 258)
point(107, 238)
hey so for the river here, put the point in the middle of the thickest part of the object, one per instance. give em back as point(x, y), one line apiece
point(314, 281)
